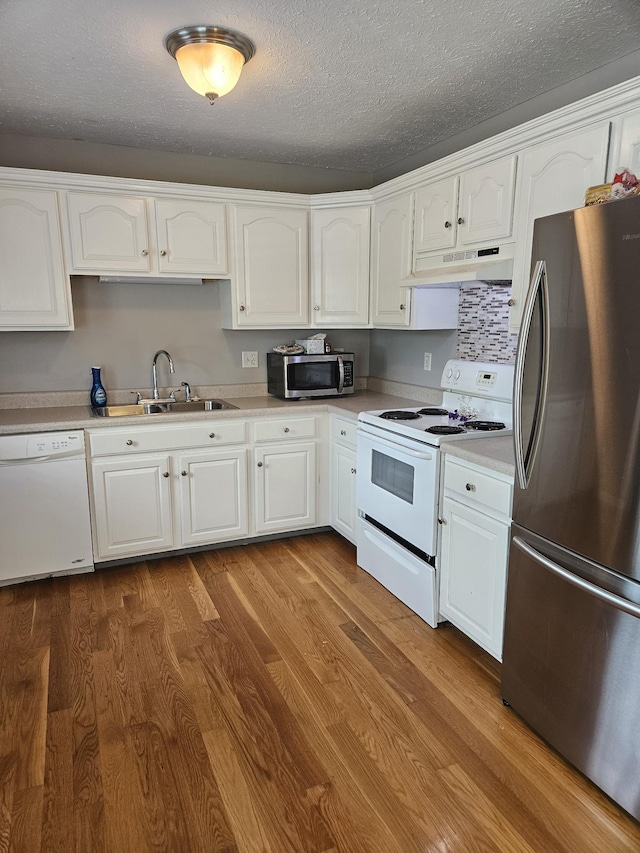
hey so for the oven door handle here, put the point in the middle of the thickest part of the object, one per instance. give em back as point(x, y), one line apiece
point(387, 443)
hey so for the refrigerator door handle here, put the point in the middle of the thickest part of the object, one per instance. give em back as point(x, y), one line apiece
point(602, 594)
point(524, 461)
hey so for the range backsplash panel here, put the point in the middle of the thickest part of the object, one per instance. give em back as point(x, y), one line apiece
point(483, 324)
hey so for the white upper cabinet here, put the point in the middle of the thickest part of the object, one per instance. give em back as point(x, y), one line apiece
point(553, 178)
point(465, 210)
point(436, 211)
point(485, 208)
point(191, 237)
point(34, 287)
point(270, 269)
point(108, 233)
point(391, 234)
point(340, 267)
point(138, 235)
point(625, 145)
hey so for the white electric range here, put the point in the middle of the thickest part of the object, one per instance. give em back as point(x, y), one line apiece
point(398, 476)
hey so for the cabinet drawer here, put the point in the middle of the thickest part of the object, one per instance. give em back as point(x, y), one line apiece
point(344, 431)
point(471, 484)
point(284, 429)
point(166, 437)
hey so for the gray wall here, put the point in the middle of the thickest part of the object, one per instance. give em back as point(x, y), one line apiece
point(120, 327)
point(399, 355)
point(90, 158)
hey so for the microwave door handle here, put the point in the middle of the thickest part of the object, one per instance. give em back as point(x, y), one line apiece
point(340, 374)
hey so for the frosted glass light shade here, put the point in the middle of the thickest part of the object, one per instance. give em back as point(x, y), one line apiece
point(210, 69)
point(210, 58)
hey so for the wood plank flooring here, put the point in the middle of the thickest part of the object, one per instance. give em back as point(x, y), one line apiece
point(270, 698)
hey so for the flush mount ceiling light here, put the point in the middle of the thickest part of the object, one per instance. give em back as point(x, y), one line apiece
point(209, 58)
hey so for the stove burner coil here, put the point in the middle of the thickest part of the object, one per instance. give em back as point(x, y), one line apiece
point(484, 426)
point(435, 411)
point(445, 430)
point(399, 416)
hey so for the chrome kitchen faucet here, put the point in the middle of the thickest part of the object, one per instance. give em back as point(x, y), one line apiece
point(154, 376)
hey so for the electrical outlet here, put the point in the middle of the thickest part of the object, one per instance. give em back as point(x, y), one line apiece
point(427, 361)
point(249, 359)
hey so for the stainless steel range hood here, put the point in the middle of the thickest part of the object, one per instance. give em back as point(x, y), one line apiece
point(490, 264)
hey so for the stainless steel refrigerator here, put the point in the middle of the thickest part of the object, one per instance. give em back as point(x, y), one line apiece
point(571, 663)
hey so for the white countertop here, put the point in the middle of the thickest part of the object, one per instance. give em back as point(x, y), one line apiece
point(493, 453)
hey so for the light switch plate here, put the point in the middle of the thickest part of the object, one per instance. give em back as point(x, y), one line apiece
point(427, 361)
point(249, 359)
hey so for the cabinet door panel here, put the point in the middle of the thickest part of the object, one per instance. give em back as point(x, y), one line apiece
point(343, 492)
point(34, 287)
point(435, 223)
point(340, 266)
point(285, 487)
point(391, 261)
point(108, 233)
point(191, 237)
point(553, 178)
point(473, 573)
point(213, 496)
point(271, 267)
point(486, 202)
point(132, 504)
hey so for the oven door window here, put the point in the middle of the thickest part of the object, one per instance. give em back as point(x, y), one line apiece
point(392, 475)
point(316, 376)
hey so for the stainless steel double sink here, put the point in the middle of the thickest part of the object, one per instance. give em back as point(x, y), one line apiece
point(157, 408)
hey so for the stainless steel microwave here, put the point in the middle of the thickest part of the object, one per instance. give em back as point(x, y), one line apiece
point(295, 376)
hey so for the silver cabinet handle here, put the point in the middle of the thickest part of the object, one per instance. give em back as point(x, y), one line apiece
point(259, 464)
point(470, 487)
point(286, 429)
point(145, 251)
point(447, 224)
point(603, 594)
point(511, 302)
point(183, 473)
point(166, 474)
point(316, 307)
point(163, 252)
point(129, 442)
point(442, 521)
point(402, 307)
point(343, 432)
point(242, 307)
point(460, 220)
point(212, 435)
point(353, 470)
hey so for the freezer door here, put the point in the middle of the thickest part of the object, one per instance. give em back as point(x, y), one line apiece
point(569, 662)
point(577, 418)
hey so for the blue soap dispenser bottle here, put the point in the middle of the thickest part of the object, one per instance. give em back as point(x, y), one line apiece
point(98, 394)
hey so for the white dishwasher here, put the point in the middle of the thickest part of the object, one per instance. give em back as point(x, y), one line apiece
point(45, 528)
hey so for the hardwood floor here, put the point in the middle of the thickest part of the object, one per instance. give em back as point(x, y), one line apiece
point(270, 697)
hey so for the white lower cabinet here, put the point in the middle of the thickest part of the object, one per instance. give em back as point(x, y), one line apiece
point(475, 523)
point(132, 505)
point(213, 496)
point(285, 491)
point(176, 494)
point(176, 486)
point(285, 474)
point(343, 476)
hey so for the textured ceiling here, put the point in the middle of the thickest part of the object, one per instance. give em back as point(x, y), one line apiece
point(352, 85)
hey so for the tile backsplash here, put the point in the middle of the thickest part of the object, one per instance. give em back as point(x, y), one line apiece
point(483, 324)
